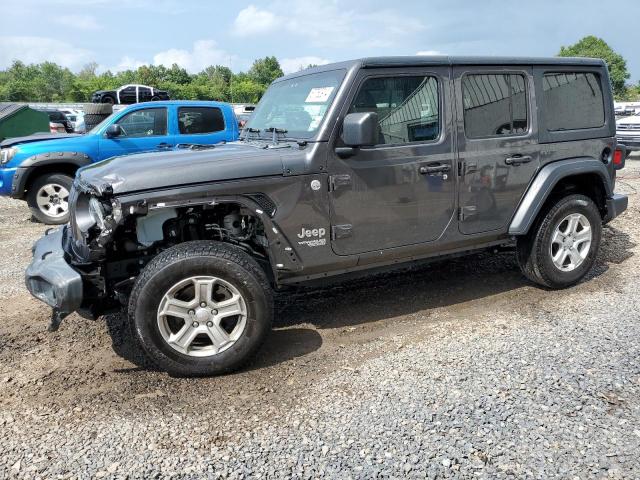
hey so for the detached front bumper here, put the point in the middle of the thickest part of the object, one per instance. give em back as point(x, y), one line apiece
point(51, 279)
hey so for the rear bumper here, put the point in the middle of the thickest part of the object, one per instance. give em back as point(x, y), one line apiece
point(631, 142)
point(50, 278)
point(615, 206)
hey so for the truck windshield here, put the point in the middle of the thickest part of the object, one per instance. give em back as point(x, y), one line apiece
point(297, 105)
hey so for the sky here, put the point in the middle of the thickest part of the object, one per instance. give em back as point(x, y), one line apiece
point(122, 34)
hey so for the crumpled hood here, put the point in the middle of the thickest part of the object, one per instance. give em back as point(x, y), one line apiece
point(154, 170)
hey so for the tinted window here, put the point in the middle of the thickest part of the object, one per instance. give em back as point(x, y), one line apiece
point(56, 116)
point(572, 101)
point(494, 105)
point(200, 120)
point(407, 107)
point(144, 123)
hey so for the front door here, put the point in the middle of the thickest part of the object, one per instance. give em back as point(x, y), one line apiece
point(401, 191)
point(497, 144)
point(142, 130)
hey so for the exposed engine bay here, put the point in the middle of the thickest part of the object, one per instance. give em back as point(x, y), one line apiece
point(122, 243)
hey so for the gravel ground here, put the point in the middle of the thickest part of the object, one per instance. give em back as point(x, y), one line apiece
point(456, 370)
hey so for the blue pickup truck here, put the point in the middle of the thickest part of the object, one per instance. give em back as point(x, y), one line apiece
point(40, 168)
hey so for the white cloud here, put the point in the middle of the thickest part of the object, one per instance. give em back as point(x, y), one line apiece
point(203, 54)
point(42, 49)
point(332, 24)
point(80, 22)
point(127, 63)
point(291, 65)
point(429, 52)
point(252, 20)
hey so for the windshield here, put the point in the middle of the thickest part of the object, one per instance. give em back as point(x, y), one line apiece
point(297, 105)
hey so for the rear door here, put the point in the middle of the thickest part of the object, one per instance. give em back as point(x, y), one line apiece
point(497, 143)
point(142, 130)
point(402, 191)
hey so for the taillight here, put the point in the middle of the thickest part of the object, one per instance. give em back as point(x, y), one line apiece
point(617, 157)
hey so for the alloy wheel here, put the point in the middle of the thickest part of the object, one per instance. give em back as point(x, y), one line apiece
point(53, 200)
point(571, 242)
point(202, 316)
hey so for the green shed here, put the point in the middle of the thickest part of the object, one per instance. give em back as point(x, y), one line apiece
point(19, 120)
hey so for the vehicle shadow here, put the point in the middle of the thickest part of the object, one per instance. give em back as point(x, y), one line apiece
point(301, 312)
point(439, 284)
point(280, 346)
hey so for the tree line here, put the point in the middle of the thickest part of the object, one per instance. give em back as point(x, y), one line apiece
point(49, 82)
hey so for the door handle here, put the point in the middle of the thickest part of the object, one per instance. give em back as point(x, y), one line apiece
point(517, 160)
point(434, 169)
point(164, 145)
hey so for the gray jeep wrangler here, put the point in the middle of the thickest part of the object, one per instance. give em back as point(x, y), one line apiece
point(343, 168)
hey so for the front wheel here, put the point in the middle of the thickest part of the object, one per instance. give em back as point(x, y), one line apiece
point(563, 244)
point(201, 308)
point(48, 198)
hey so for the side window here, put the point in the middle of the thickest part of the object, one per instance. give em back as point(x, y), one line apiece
point(572, 101)
point(149, 122)
point(407, 107)
point(193, 120)
point(494, 105)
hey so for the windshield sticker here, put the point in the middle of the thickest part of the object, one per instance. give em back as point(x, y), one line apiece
point(319, 94)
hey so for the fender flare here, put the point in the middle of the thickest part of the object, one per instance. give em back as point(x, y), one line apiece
point(545, 181)
point(26, 169)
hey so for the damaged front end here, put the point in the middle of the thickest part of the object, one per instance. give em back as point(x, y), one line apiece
point(66, 272)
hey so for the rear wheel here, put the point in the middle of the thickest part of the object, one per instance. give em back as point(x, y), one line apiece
point(562, 246)
point(48, 198)
point(201, 308)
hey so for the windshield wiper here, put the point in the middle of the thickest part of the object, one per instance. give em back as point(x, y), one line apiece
point(250, 131)
point(276, 132)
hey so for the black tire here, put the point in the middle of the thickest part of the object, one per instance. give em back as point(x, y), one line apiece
point(91, 120)
point(97, 109)
point(39, 214)
point(534, 249)
point(186, 260)
point(108, 99)
point(155, 98)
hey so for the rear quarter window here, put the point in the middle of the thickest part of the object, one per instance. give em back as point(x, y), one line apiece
point(572, 101)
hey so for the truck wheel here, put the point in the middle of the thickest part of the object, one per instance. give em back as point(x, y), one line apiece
point(201, 308)
point(562, 245)
point(48, 198)
point(108, 99)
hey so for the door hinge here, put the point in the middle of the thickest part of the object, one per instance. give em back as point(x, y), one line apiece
point(339, 181)
point(341, 231)
point(466, 212)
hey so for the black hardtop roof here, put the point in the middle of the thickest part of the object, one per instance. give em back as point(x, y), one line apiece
point(426, 60)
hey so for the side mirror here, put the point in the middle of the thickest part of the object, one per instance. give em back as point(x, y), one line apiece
point(113, 130)
point(360, 129)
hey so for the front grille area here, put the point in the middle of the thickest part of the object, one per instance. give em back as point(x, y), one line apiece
point(628, 126)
